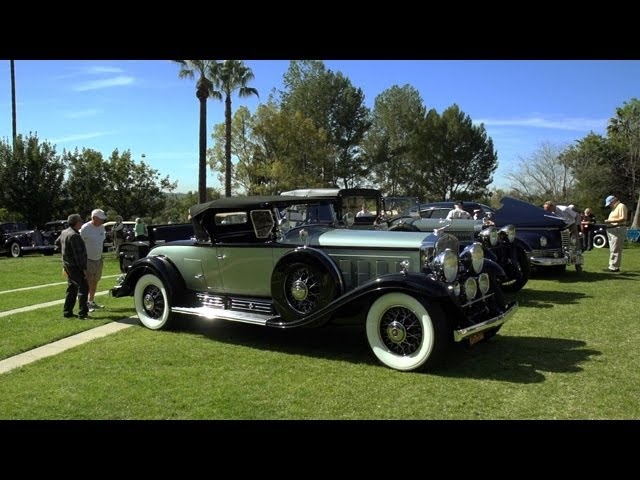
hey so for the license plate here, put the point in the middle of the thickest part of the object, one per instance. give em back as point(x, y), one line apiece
point(475, 338)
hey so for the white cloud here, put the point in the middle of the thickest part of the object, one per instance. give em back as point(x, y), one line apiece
point(80, 136)
point(573, 124)
point(98, 69)
point(106, 83)
point(92, 112)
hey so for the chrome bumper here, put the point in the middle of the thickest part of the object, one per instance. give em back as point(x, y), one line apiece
point(461, 334)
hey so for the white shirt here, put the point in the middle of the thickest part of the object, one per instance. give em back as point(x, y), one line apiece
point(458, 213)
point(93, 239)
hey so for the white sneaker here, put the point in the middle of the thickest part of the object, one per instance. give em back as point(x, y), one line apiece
point(94, 306)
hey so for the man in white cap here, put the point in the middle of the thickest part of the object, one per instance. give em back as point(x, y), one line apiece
point(93, 235)
point(616, 231)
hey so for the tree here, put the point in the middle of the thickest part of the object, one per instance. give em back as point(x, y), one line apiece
point(228, 77)
point(624, 130)
point(334, 105)
point(456, 158)
point(397, 114)
point(204, 90)
point(242, 148)
point(288, 151)
point(544, 175)
point(32, 178)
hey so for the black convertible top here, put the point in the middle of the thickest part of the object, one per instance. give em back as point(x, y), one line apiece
point(262, 201)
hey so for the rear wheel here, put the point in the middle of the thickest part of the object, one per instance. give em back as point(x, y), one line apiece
point(152, 302)
point(404, 334)
point(599, 240)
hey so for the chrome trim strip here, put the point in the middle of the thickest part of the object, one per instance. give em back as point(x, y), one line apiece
point(232, 315)
point(546, 261)
point(461, 334)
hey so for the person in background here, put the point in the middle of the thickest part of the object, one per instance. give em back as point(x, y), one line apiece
point(363, 212)
point(140, 230)
point(616, 231)
point(93, 235)
point(567, 212)
point(117, 233)
point(587, 226)
point(74, 263)
point(458, 212)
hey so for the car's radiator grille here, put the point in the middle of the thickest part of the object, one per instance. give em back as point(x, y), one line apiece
point(566, 235)
point(241, 304)
point(547, 253)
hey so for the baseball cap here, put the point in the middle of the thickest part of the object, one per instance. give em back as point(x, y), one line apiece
point(608, 200)
point(98, 212)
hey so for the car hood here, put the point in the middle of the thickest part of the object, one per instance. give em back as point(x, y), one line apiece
point(523, 214)
point(342, 237)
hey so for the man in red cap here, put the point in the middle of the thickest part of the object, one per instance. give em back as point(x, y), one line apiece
point(616, 231)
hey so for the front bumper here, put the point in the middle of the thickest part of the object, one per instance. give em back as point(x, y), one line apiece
point(463, 333)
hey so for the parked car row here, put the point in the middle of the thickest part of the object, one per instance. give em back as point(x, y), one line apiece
point(16, 239)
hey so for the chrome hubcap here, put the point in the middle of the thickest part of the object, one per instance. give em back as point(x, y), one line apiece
point(148, 302)
point(396, 332)
point(299, 290)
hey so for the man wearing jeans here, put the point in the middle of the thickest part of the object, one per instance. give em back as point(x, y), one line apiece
point(616, 231)
point(93, 235)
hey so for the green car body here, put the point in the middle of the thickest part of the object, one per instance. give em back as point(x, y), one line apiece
point(266, 261)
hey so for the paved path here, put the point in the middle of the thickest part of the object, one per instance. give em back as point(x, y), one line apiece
point(65, 344)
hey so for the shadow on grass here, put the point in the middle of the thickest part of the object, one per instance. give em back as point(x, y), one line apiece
point(517, 359)
point(503, 358)
point(571, 276)
point(546, 298)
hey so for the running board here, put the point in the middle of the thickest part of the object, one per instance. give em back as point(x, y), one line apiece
point(232, 315)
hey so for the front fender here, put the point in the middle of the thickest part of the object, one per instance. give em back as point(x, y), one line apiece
point(419, 285)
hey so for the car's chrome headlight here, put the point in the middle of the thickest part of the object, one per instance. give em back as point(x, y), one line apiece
point(489, 236)
point(573, 240)
point(484, 282)
point(473, 257)
point(446, 264)
point(509, 232)
point(470, 288)
point(543, 241)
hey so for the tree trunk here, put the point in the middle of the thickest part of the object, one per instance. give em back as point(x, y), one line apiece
point(227, 146)
point(636, 217)
point(202, 93)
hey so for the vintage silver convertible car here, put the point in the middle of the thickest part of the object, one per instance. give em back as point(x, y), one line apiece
point(259, 260)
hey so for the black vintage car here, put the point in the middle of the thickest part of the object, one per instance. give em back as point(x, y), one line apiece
point(264, 261)
point(17, 238)
point(545, 239)
point(52, 230)
point(131, 250)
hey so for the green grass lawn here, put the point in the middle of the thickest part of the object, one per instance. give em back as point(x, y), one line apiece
point(569, 352)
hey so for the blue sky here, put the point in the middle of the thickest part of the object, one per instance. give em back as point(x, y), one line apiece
point(142, 105)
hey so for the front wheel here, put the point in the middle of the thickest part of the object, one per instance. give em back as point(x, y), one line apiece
point(404, 334)
point(152, 302)
point(519, 273)
point(15, 250)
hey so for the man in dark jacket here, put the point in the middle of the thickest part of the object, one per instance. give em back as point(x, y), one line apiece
point(74, 260)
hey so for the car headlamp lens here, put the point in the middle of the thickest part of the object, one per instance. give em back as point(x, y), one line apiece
point(484, 283)
point(470, 288)
point(447, 264)
point(509, 231)
point(489, 235)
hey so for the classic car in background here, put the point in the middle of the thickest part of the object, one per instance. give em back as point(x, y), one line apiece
point(160, 234)
point(17, 238)
point(128, 233)
point(52, 230)
point(415, 294)
point(544, 238)
point(499, 243)
point(365, 205)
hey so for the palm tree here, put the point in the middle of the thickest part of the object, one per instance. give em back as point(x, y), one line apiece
point(204, 90)
point(13, 101)
point(229, 76)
